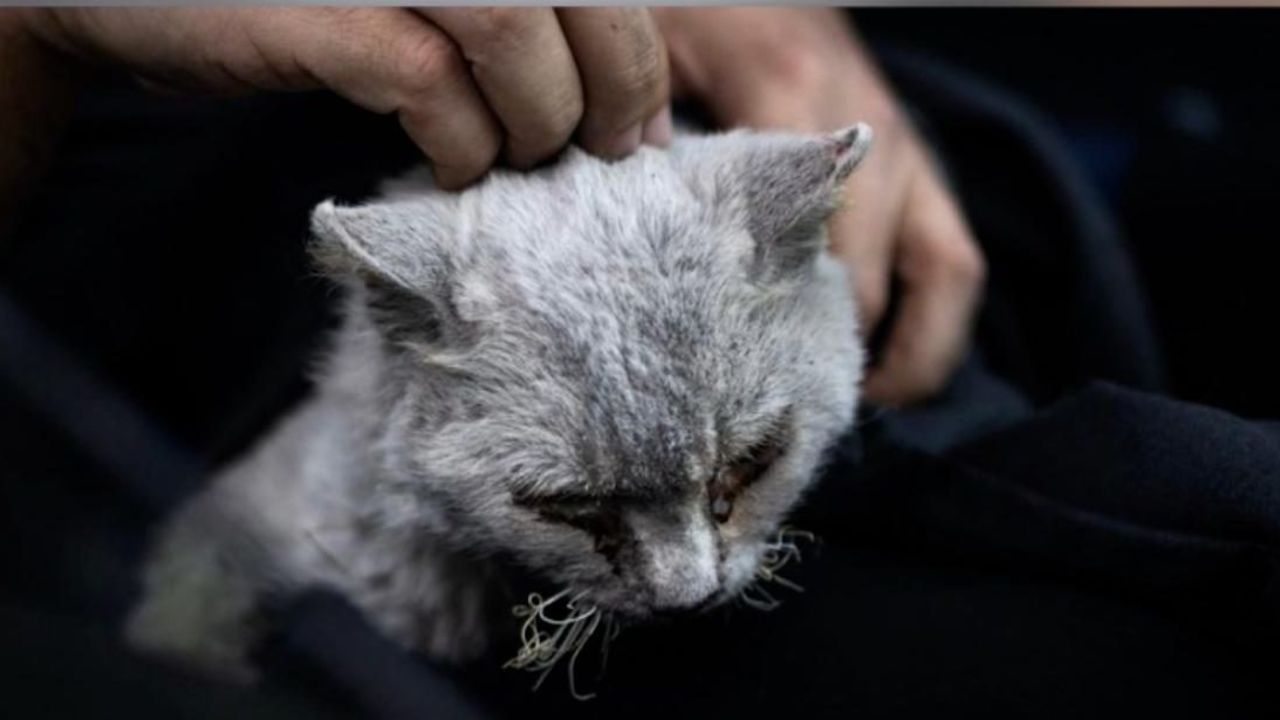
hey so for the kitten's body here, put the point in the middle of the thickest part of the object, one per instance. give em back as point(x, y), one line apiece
point(621, 375)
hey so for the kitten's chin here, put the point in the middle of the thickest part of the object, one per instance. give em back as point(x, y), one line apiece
point(629, 605)
point(740, 568)
point(634, 613)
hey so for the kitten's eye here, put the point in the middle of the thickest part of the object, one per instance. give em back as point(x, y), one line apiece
point(724, 488)
point(569, 512)
point(602, 521)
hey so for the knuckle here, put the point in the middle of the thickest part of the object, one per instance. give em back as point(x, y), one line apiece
point(550, 126)
point(790, 62)
point(565, 111)
point(424, 63)
point(951, 259)
point(500, 25)
point(963, 261)
point(634, 87)
point(805, 70)
point(644, 73)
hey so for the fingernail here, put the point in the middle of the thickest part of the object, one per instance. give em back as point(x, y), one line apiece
point(658, 129)
point(623, 143)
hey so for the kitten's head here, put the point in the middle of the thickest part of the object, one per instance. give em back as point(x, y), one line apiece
point(623, 374)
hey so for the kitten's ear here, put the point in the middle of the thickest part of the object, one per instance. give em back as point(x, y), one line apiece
point(397, 242)
point(792, 187)
point(397, 251)
point(789, 185)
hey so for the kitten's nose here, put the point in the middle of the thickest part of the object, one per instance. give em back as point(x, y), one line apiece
point(680, 560)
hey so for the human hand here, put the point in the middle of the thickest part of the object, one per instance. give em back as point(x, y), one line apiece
point(468, 84)
point(803, 69)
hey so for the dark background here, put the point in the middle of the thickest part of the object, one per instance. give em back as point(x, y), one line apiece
point(1171, 113)
point(157, 312)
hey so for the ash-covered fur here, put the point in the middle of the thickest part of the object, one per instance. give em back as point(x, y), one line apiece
point(550, 367)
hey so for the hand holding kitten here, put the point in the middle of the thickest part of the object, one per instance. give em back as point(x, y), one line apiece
point(473, 85)
point(802, 69)
point(469, 85)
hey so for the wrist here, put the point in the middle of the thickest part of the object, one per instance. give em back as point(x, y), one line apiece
point(38, 73)
point(37, 84)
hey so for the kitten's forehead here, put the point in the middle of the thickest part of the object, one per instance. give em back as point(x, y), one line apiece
point(592, 209)
point(617, 289)
point(622, 249)
point(618, 320)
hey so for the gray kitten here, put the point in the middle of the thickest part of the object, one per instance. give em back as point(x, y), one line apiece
point(620, 376)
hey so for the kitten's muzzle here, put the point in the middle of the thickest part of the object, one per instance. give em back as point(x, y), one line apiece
point(701, 606)
point(644, 606)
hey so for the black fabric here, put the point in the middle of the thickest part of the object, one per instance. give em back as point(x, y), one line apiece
point(1064, 304)
point(1054, 536)
point(1171, 116)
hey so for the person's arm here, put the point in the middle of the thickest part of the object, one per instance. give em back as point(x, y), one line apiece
point(36, 89)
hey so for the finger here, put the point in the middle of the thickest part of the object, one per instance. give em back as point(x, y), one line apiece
point(942, 274)
point(523, 65)
point(854, 239)
point(864, 231)
point(386, 60)
point(623, 63)
point(389, 60)
point(186, 49)
point(659, 129)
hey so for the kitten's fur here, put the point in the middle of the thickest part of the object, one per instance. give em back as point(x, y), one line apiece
point(552, 367)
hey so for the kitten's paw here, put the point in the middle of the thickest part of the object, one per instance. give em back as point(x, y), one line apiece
point(195, 633)
point(198, 608)
point(223, 658)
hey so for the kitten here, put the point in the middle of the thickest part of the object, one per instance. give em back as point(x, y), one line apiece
point(620, 376)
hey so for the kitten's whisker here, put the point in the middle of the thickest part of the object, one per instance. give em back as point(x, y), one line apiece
point(541, 650)
point(611, 631)
point(573, 659)
point(536, 646)
point(790, 532)
point(563, 647)
point(765, 604)
point(780, 580)
point(571, 606)
point(781, 550)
